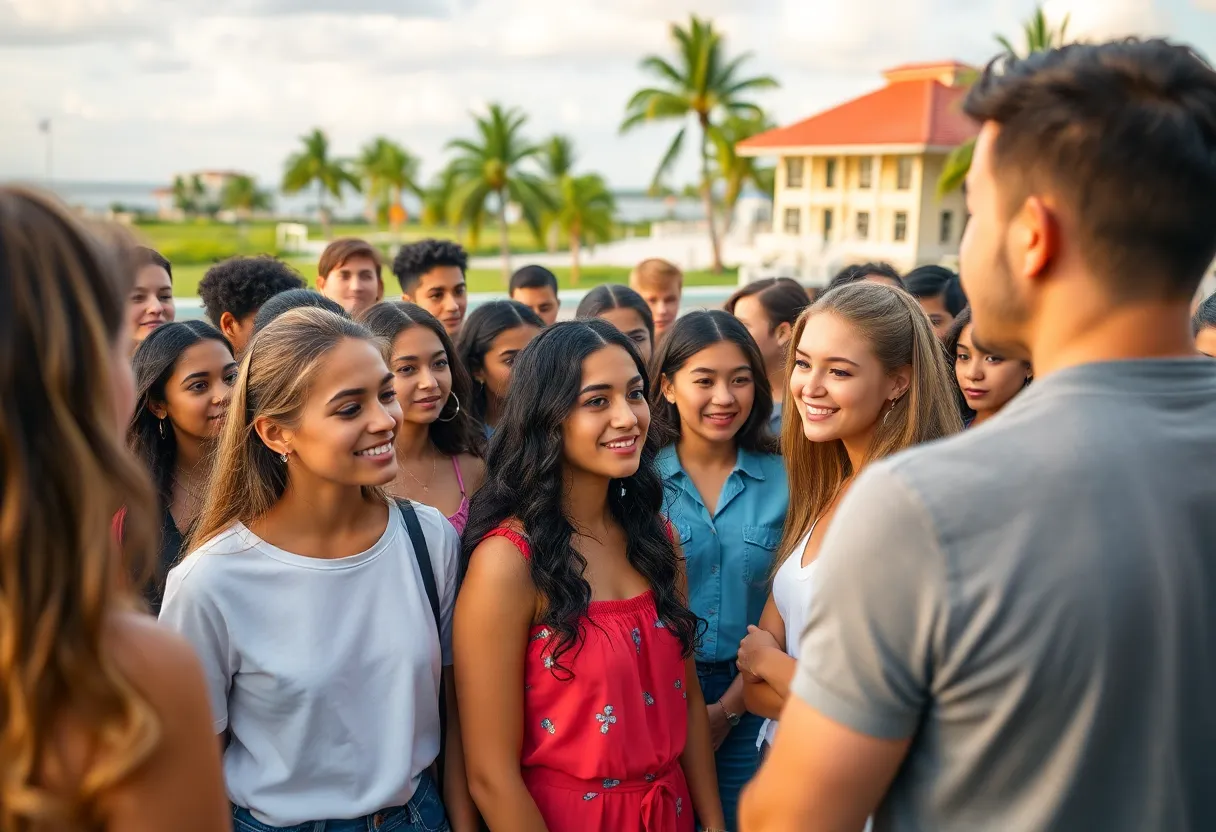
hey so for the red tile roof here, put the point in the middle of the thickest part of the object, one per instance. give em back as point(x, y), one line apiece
point(914, 108)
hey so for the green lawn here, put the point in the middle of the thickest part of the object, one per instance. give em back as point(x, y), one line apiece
point(187, 277)
point(193, 246)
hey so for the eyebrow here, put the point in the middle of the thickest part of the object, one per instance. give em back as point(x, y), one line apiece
point(358, 391)
point(599, 388)
point(200, 374)
point(836, 359)
point(436, 354)
point(712, 371)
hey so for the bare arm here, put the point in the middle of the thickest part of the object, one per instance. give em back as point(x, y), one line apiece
point(474, 472)
point(494, 612)
point(819, 777)
point(768, 669)
point(180, 785)
point(462, 814)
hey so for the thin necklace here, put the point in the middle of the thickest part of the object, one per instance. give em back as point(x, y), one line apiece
point(426, 486)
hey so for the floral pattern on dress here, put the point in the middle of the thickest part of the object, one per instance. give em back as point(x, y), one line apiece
point(606, 719)
point(610, 784)
point(647, 698)
point(548, 725)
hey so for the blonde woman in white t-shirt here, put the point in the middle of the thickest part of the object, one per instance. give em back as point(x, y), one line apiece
point(303, 596)
point(868, 378)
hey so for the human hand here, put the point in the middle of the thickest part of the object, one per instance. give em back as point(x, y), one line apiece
point(719, 727)
point(750, 648)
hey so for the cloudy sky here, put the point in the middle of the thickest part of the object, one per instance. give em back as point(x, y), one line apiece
point(140, 89)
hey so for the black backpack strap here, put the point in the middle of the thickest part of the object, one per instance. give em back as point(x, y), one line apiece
point(423, 556)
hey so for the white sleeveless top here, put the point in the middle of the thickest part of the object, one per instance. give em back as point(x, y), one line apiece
point(792, 589)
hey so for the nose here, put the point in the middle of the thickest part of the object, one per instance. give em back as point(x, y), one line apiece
point(722, 394)
point(385, 418)
point(426, 380)
point(974, 371)
point(450, 304)
point(807, 383)
point(623, 416)
point(155, 307)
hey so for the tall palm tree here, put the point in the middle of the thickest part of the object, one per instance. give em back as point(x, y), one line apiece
point(739, 171)
point(243, 196)
point(556, 163)
point(702, 84)
point(584, 214)
point(314, 164)
point(1040, 36)
point(437, 197)
point(387, 171)
point(492, 165)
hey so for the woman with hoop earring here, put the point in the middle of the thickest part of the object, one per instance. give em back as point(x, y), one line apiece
point(440, 446)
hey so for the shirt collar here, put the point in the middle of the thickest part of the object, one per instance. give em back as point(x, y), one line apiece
point(747, 462)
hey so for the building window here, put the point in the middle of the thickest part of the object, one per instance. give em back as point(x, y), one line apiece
point(793, 220)
point(901, 226)
point(903, 173)
point(863, 225)
point(946, 230)
point(793, 172)
point(827, 224)
point(829, 178)
point(865, 173)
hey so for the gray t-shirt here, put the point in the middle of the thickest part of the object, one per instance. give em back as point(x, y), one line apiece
point(1033, 602)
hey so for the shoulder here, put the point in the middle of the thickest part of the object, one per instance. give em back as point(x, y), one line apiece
point(435, 527)
point(473, 469)
point(499, 561)
point(161, 665)
point(667, 461)
point(773, 466)
point(210, 564)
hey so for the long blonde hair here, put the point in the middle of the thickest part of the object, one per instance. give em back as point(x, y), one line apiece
point(276, 375)
point(900, 335)
point(64, 474)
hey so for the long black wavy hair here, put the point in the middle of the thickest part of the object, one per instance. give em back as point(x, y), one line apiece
point(483, 325)
point(525, 482)
point(456, 431)
point(153, 365)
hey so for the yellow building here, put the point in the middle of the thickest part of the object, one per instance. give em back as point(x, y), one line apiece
point(858, 182)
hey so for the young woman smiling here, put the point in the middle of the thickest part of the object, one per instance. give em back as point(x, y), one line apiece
point(986, 381)
point(490, 339)
point(440, 447)
point(184, 374)
point(868, 379)
point(726, 497)
point(304, 596)
point(573, 639)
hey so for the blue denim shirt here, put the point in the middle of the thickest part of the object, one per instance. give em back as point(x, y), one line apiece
point(730, 554)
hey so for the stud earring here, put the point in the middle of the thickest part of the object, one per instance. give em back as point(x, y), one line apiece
point(161, 427)
point(283, 458)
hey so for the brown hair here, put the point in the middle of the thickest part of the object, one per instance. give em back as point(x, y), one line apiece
point(64, 475)
point(276, 376)
point(782, 298)
point(656, 273)
point(899, 332)
point(339, 251)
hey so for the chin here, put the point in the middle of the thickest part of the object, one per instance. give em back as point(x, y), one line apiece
point(820, 432)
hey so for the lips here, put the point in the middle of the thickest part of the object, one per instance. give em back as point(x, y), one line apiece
point(974, 392)
point(376, 450)
point(430, 401)
point(818, 413)
point(624, 445)
point(720, 419)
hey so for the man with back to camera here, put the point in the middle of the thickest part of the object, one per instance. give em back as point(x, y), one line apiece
point(432, 275)
point(1014, 627)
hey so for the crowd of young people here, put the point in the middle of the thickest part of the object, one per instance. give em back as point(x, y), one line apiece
point(638, 570)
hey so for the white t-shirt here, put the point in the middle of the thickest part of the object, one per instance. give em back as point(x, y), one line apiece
point(792, 591)
point(324, 672)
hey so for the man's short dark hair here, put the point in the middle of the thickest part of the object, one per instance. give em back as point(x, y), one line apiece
point(241, 285)
point(532, 277)
point(1205, 315)
point(1122, 136)
point(416, 259)
point(860, 271)
point(937, 282)
point(145, 256)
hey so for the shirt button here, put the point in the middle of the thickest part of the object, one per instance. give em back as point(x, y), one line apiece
point(713, 570)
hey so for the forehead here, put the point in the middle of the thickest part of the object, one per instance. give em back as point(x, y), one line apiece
point(828, 335)
point(357, 263)
point(442, 276)
point(964, 337)
point(417, 340)
point(623, 318)
point(515, 338)
point(534, 293)
point(981, 175)
point(207, 355)
point(723, 355)
point(351, 363)
point(609, 365)
point(152, 276)
point(750, 308)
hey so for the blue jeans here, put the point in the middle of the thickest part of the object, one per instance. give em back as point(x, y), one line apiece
point(737, 759)
point(424, 813)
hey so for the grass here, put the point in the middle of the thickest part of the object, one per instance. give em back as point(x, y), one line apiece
point(187, 277)
point(193, 246)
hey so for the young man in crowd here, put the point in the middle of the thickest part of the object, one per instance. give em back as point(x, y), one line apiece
point(234, 290)
point(536, 287)
point(660, 284)
point(1013, 628)
point(432, 275)
point(349, 273)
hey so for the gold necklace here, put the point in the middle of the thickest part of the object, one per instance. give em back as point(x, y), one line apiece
point(426, 486)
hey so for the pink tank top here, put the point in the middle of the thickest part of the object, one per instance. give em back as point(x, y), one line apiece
point(461, 518)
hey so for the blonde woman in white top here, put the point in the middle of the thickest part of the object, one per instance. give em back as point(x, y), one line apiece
point(868, 378)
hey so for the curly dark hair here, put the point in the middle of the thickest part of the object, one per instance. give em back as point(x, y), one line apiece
point(459, 432)
point(524, 481)
point(240, 285)
point(688, 336)
point(416, 259)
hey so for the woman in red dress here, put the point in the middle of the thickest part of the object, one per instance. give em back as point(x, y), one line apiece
point(572, 636)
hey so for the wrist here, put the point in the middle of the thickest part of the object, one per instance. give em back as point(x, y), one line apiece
point(763, 663)
point(732, 713)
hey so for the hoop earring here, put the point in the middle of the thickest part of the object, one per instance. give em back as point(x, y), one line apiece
point(454, 415)
point(887, 415)
point(161, 427)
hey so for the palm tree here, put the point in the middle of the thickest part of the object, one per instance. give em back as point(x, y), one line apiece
point(242, 196)
point(437, 197)
point(491, 165)
point(188, 194)
point(314, 164)
point(703, 84)
point(1040, 36)
point(556, 163)
point(735, 170)
point(584, 214)
point(388, 170)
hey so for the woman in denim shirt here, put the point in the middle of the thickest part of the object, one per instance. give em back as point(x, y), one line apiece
point(726, 496)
